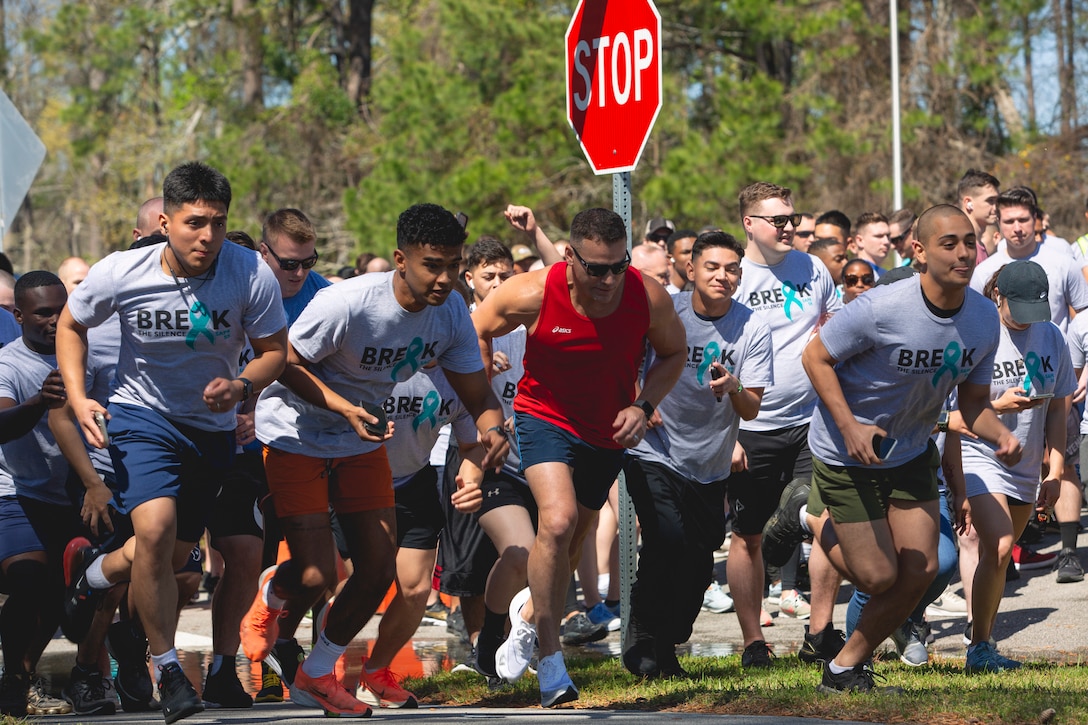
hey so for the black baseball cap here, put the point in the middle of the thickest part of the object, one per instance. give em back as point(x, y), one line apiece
point(1025, 286)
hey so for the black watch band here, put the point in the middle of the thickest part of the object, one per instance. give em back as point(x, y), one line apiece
point(646, 407)
point(247, 388)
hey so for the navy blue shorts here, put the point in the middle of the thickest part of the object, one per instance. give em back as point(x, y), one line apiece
point(595, 468)
point(419, 514)
point(158, 458)
point(28, 525)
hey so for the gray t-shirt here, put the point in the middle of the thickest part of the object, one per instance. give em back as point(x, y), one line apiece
point(1067, 285)
point(103, 347)
point(793, 298)
point(699, 430)
point(1035, 360)
point(505, 387)
point(177, 335)
point(1077, 335)
point(360, 343)
point(30, 465)
point(897, 364)
point(419, 408)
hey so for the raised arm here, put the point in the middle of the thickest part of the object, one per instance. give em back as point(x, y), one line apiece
point(522, 219)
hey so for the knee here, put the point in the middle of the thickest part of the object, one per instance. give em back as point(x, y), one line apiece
point(557, 525)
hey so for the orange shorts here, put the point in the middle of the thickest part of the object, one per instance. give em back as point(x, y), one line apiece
point(302, 484)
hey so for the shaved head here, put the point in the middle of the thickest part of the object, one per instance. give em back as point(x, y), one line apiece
point(147, 219)
point(928, 223)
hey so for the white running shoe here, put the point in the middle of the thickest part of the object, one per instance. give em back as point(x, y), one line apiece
point(513, 655)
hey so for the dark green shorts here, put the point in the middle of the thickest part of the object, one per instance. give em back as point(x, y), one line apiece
point(854, 494)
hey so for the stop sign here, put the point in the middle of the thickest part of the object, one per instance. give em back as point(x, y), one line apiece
point(613, 52)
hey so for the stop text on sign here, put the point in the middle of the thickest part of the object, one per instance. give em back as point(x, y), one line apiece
point(621, 64)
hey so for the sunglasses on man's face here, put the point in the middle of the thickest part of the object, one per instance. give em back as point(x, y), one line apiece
point(852, 279)
point(596, 269)
point(779, 221)
point(290, 265)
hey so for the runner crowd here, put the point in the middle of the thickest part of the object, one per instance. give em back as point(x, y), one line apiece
point(886, 402)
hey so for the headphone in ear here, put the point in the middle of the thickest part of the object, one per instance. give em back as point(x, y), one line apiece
point(970, 206)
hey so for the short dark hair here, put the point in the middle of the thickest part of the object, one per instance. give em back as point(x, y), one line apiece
point(678, 235)
point(32, 280)
point(6, 265)
point(1017, 196)
point(709, 240)
point(429, 224)
point(929, 218)
point(904, 218)
point(974, 179)
point(836, 218)
point(487, 250)
point(192, 182)
point(600, 225)
point(821, 243)
point(241, 239)
point(291, 223)
point(760, 191)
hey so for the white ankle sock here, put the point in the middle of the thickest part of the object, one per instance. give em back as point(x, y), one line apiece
point(836, 669)
point(165, 658)
point(322, 659)
point(95, 577)
point(802, 515)
point(271, 599)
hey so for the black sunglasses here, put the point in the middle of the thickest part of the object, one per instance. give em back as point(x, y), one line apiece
point(290, 265)
point(779, 221)
point(852, 279)
point(599, 270)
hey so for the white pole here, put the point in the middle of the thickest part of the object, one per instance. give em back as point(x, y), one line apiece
point(897, 151)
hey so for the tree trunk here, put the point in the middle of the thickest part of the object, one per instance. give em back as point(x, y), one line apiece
point(1029, 74)
point(1069, 79)
point(247, 20)
point(357, 37)
point(1063, 71)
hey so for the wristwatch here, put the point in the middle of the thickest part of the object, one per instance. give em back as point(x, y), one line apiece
point(247, 388)
point(645, 406)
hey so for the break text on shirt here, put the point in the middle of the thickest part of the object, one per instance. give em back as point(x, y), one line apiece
point(405, 361)
point(194, 324)
point(953, 359)
point(790, 296)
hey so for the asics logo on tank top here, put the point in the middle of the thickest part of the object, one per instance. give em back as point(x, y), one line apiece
point(953, 360)
point(194, 324)
point(557, 330)
point(403, 361)
point(791, 296)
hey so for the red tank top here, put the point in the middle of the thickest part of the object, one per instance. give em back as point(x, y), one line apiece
point(581, 372)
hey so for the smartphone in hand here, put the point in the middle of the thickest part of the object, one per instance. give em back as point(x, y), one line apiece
point(883, 446)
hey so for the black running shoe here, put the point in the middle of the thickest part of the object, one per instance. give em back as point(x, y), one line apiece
point(823, 646)
point(860, 678)
point(285, 658)
point(640, 659)
point(13, 689)
point(80, 600)
point(177, 694)
point(223, 689)
point(577, 629)
point(127, 644)
point(90, 694)
point(1068, 567)
point(783, 531)
point(271, 686)
point(667, 662)
point(757, 654)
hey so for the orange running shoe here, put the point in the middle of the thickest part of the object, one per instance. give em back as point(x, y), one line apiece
point(381, 689)
point(260, 626)
point(328, 694)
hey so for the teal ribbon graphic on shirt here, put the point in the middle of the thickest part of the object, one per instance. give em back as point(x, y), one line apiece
point(1034, 378)
point(789, 291)
point(431, 403)
point(950, 365)
point(199, 319)
point(710, 354)
point(411, 360)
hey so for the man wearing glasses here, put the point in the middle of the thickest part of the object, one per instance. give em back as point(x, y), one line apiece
point(793, 294)
point(576, 410)
point(288, 246)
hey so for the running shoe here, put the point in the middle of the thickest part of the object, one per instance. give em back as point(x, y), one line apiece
point(783, 531)
point(89, 693)
point(908, 643)
point(715, 599)
point(224, 689)
point(606, 615)
point(327, 694)
point(80, 600)
point(513, 655)
point(983, 657)
point(822, 646)
point(381, 689)
point(1025, 558)
point(757, 654)
point(261, 625)
point(179, 699)
point(577, 629)
point(860, 678)
point(793, 604)
point(556, 687)
point(1068, 567)
point(271, 686)
point(40, 702)
point(949, 604)
point(285, 658)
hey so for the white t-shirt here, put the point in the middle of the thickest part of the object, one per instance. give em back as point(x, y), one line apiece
point(1035, 360)
point(1067, 285)
point(793, 298)
point(419, 408)
point(178, 334)
point(699, 430)
point(360, 342)
point(897, 364)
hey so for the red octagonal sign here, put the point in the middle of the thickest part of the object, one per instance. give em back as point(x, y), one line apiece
point(613, 52)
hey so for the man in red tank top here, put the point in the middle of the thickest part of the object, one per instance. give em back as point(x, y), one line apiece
point(576, 410)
